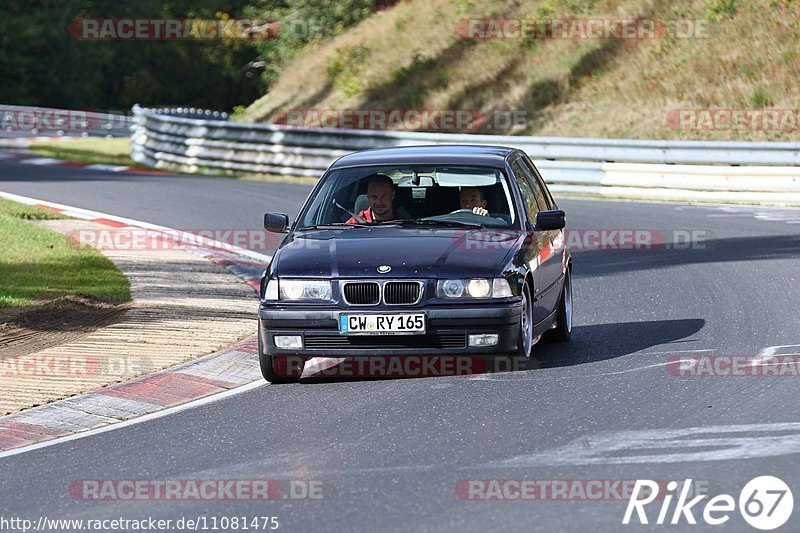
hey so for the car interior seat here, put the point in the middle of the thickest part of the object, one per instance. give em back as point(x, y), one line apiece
point(495, 199)
point(362, 202)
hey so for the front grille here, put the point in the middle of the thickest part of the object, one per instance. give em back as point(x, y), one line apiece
point(362, 293)
point(376, 342)
point(401, 292)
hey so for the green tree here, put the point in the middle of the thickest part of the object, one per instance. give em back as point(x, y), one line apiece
point(43, 64)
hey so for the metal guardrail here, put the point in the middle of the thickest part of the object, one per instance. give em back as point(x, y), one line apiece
point(189, 112)
point(163, 140)
point(27, 121)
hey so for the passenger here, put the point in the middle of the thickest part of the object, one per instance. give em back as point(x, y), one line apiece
point(380, 193)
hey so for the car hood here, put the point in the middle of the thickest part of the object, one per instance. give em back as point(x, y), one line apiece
point(411, 253)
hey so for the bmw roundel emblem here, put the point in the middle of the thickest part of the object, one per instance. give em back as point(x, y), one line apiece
point(383, 269)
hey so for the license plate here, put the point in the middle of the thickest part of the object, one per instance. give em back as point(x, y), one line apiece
point(395, 324)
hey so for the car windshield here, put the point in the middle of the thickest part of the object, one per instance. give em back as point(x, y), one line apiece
point(447, 196)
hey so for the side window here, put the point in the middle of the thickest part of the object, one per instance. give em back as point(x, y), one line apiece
point(541, 196)
point(539, 181)
point(525, 190)
point(537, 191)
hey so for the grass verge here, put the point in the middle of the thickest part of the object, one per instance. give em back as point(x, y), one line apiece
point(90, 150)
point(38, 264)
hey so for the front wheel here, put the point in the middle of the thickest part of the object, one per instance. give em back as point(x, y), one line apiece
point(563, 330)
point(280, 369)
point(525, 341)
point(521, 359)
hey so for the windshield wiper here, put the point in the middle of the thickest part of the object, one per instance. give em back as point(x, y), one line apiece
point(336, 225)
point(441, 223)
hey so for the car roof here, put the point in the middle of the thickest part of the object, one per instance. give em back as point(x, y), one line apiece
point(443, 154)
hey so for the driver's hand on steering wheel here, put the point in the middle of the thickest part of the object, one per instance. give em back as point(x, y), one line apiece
point(480, 211)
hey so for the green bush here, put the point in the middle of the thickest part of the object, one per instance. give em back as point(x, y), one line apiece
point(759, 99)
point(303, 22)
point(345, 68)
point(721, 9)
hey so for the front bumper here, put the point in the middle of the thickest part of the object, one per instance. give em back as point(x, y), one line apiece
point(447, 330)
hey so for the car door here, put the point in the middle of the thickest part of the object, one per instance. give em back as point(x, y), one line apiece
point(552, 258)
point(536, 241)
point(548, 261)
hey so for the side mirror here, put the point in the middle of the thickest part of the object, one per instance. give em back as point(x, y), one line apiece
point(550, 220)
point(276, 222)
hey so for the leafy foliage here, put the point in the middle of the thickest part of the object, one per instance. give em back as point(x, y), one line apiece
point(303, 22)
point(721, 9)
point(46, 65)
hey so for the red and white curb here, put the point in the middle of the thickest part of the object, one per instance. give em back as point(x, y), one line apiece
point(216, 373)
point(31, 159)
point(209, 375)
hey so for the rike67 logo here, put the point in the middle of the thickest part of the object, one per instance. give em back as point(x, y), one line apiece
point(765, 503)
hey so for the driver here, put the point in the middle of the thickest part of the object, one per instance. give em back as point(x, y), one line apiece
point(472, 198)
point(380, 193)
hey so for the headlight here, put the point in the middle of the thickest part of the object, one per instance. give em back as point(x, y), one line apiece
point(479, 288)
point(473, 288)
point(301, 289)
point(452, 288)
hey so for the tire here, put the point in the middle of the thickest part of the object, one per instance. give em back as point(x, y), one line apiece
point(563, 329)
point(520, 359)
point(525, 340)
point(278, 371)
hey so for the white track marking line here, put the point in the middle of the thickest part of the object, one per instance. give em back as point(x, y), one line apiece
point(40, 161)
point(110, 168)
point(761, 213)
point(677, 351)
point(184, 236)
point(487, 377)
point(144, 418)
point(772, 350)
point(709, 443)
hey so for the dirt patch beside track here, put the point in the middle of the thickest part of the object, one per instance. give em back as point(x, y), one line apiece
point(55, 322)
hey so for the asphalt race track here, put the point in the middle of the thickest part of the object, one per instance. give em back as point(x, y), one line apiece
point(391, 453)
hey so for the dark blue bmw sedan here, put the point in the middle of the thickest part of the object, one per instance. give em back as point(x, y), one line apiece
point(419, 250)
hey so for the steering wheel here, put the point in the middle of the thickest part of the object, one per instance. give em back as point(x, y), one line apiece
point(460, 211)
